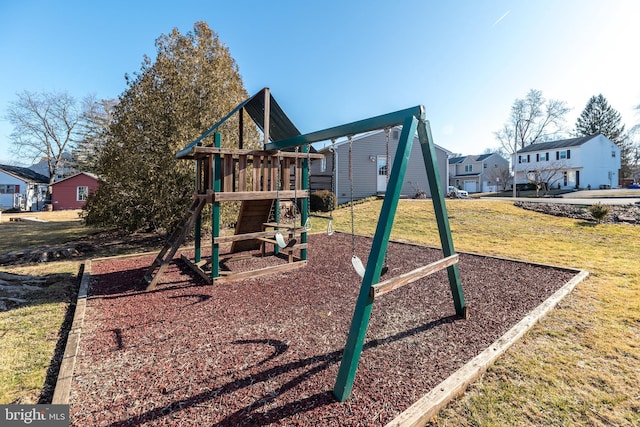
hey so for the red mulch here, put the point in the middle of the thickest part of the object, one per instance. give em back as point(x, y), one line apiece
point(266, 351)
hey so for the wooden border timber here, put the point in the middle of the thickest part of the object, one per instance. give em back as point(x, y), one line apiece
point(62, 391)
point(412, 276)
point(428, 406)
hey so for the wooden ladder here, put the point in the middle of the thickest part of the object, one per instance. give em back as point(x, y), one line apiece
point(170, 248)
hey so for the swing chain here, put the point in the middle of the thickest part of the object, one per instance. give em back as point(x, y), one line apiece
point(307, 224)
point(353, 232)
point(387, 131)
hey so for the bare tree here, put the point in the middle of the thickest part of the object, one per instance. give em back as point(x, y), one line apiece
point(544, 178)
point(94, 131)
point(533, 119)
point(501, 176)
point(44, 127)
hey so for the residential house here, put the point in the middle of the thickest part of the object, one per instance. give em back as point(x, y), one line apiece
point(22, 188)
point(72, 192)
point(368, 167)
point(479, 173)
point(585, 162)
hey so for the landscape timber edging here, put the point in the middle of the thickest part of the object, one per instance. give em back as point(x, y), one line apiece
point(62, 391)
point(428, 406)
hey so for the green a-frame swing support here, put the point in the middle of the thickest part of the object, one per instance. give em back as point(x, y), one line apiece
point(412, 120)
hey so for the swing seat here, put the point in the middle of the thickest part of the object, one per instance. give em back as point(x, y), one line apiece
point(357, 265)
point(281, 243)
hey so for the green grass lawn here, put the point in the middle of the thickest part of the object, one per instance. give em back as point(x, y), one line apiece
point(579, 366)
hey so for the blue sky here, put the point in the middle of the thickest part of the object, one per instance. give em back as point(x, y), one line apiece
point(332, 62)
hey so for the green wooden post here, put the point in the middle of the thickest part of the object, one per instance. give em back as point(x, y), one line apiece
point(364, 304)
point(215, 210)
point(198, 222)
point(305, 201)
point(442, 219)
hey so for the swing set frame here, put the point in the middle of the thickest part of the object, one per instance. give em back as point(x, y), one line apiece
point(412, 120)
point(222, 177)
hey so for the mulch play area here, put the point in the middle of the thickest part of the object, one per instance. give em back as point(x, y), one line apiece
point(266, 351)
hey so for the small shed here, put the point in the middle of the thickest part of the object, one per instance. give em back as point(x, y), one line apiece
point(72, 192)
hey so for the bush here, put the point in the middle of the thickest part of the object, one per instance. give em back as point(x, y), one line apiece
point(322, 201)
point(599, 211)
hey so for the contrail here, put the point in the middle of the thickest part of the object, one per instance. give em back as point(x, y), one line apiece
point(501, 18)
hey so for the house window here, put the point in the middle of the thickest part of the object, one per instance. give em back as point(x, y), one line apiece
point(82, 193)
point(524, 159)
point(9, 189)
point(564, 154)
point(468, 168)
point(613, 154)
point(395, 134)
point(323, 164)
point(484, 165)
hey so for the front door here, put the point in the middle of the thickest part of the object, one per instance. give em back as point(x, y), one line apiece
point(382, 174)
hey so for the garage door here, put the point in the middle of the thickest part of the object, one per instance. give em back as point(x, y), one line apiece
point(470, 186)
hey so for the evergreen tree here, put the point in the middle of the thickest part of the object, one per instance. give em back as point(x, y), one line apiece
point(192, 84)
point(598, 117)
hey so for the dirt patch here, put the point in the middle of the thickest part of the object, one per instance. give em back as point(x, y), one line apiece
point(266, 351)
point(629, 214)
point(106, 243)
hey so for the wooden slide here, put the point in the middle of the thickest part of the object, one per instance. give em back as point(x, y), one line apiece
point(253, 214)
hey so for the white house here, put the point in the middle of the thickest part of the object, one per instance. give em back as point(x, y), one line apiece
point(369, 167)
point(585, 162)
point(479, 173)
point(21, 188)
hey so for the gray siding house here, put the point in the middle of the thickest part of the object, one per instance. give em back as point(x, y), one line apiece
point(369, 167)
point(478, 173)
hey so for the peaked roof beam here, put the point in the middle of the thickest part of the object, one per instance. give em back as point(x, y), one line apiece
point(361, 126)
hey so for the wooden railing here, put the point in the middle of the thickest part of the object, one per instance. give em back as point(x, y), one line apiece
point(251, 174)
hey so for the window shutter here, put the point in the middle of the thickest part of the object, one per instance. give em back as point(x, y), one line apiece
point(17, 188)
point(557, 155)
point(528, 158)
point(537, 157)
point(519, 159)
point(568, 154)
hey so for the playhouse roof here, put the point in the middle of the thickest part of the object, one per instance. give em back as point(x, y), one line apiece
point(280, 126)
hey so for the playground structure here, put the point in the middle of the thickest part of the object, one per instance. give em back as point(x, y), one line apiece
point(260, 179)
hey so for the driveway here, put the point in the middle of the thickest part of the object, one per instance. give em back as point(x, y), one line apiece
point(588, 197)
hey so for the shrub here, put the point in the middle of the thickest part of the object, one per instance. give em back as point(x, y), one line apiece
point(322, 201)
point(599, 211)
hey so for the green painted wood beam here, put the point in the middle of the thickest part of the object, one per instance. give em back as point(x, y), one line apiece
point(305, 202)
point(198, 222)
point(364, 304)
point(215, 209)
point(361, 126)
point(442, 218)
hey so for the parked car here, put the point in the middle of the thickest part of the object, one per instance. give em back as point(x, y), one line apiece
point(456, 193)
point(634, 186)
